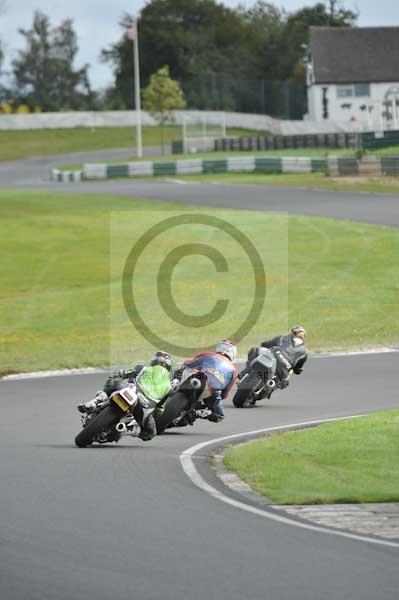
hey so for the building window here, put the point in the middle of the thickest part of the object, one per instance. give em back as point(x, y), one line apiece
point(356, 89)
point(362, 89)
point(344, 91)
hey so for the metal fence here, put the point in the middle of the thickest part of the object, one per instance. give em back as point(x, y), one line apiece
point(281, 99)
point(379, 139)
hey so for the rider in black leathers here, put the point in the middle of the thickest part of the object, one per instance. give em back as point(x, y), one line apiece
point(290, 351)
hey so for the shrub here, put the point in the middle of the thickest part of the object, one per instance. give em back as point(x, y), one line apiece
point(5, 108)
point(22, 109)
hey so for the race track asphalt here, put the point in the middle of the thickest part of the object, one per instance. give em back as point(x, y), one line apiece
point(124, 521)
point(380, 209)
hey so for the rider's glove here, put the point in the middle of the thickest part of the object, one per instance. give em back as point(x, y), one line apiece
point(254, 351)
point(118, 374)
point(175, 383)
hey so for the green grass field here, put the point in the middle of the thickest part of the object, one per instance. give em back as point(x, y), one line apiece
point(348, 461)
point(60, 304)
point(46, 142)
point(384, 185)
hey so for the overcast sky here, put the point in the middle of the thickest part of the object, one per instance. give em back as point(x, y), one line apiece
point(96, 23)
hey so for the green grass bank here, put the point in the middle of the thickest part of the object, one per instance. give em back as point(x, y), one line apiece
point(356, 460)
point(63, 255)
point(378, 185)
point(46, 142)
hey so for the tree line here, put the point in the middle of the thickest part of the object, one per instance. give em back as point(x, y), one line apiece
point(245, 59)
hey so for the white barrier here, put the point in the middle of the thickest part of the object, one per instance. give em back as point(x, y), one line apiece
point(127, 118)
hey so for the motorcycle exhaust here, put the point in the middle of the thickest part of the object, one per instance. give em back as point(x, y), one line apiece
point(195, 383)
point(121, 428)
point(271, 383)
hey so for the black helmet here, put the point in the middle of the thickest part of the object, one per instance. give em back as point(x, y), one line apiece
point(164, 359)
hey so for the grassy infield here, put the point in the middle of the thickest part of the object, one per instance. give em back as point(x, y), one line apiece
point(55, 312)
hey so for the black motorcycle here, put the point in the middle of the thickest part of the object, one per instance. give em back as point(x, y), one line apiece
point(257, 380)
point(185, 404)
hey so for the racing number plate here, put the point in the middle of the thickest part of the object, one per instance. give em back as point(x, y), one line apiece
point(121, 402)
point(125, 398)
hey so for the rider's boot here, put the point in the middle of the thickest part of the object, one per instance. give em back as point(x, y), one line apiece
point(91, 405)
point(148, 429)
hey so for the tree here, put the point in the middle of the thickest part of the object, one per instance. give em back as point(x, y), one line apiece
point(4, 92)
point(44, 71)
point(339, 16)
point(195, 38)
point(329, 14)
point(161, 97)
point(224, 58)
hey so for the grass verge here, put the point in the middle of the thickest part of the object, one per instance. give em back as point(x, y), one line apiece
point(46, 142)
point(350, 461)
point(386, 185)
point(59, 279)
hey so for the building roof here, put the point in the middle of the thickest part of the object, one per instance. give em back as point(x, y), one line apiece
point(355, 55)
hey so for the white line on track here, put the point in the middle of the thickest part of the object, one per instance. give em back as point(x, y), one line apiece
point(94, 370)
point(187, 461)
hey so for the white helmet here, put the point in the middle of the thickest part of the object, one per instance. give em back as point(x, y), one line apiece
point(298, 331)
point(227, 348)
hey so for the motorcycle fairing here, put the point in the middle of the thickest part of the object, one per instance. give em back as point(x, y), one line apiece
point(220, 372)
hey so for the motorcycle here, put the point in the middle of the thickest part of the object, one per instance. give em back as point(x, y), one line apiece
point(257, 380)
point(186, 404)
point(113, 417)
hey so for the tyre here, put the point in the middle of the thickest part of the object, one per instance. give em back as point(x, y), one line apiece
point(108, 417)
point(174, 406)
point(245, 388)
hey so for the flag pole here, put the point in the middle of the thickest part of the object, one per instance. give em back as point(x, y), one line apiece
point(133, 35)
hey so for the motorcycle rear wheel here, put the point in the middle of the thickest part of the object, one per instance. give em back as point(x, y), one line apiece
point(174, 406)
point(108, 417)
point(245, 390)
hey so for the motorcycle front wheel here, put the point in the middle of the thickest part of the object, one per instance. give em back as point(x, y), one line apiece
point(106, 419)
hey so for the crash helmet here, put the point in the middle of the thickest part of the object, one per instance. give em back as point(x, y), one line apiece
point(164, 359)
point(227, 348)
point(298, 331)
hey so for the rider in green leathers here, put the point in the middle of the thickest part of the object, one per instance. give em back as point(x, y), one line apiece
point(155, 382)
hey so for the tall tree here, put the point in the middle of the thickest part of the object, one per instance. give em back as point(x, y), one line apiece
point(193, 37)
point(44, 70)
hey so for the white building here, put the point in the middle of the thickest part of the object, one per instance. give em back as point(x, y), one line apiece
point(353, 76)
